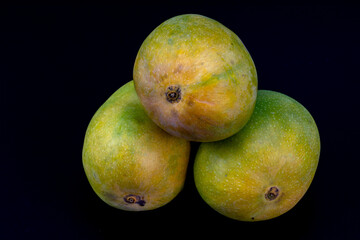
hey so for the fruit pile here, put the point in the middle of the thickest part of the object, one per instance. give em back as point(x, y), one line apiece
point(194, 80)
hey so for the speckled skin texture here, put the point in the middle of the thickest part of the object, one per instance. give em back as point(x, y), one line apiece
point(129, 161)
point(279, 147)
point(211, 67)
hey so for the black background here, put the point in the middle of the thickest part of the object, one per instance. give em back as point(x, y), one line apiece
point(60, 63)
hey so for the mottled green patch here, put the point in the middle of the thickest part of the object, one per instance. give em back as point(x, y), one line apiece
point(210, 81)
point(228, 74)
point(132, 118)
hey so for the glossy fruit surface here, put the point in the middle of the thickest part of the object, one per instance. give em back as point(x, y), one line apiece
point(265, 169)
point(196, 79)
point(129, 161)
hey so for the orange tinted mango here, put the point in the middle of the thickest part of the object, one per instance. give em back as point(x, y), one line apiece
point(195, 79)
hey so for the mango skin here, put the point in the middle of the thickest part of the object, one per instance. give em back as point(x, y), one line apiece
point(125, 155)
point(279, 147)
point(211, 67)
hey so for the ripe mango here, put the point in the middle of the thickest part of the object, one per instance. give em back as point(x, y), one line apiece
point(195, 78)
point(129, 161)
point(265, 169)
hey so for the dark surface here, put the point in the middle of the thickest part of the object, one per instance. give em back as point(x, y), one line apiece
point(58, 64)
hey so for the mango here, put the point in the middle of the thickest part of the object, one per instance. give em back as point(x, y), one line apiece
point(265, 169)
point(195, 78)
point(130, 162)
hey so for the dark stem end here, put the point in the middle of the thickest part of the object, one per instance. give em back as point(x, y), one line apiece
point(173, 94)
point(131, 199)
point(272, 193)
